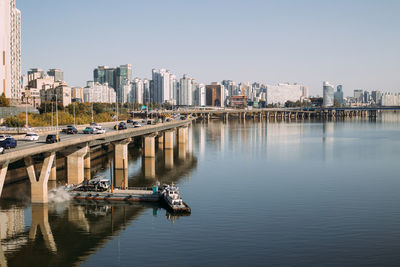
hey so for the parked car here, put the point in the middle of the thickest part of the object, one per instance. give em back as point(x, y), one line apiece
point(99, 130)
point(88, 130)
point(8, 143)
point(70, 130)
point(121, 126)
point(4, 137)
point(52, 138)
point(136, 124)
point(31, 137)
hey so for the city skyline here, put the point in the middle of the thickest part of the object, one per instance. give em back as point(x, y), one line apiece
point(268, 42)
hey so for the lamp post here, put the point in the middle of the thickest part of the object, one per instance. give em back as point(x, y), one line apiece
point(74, 116)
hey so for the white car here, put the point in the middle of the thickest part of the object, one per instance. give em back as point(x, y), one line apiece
point(1, 150)
point(136, 124)
point(4, 137)
point(99, 130)
point(31, 137)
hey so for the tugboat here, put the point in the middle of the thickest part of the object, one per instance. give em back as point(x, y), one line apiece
point(174, 202)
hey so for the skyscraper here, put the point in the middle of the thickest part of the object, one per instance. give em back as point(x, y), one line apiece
point(328, 92)
point(10, 49)
point(137, 91)
point(185, 92)
point(104, 74)
point(57, 74)
point(358, 95)
point(160, 89)
point(123, 78)
point(339, 94)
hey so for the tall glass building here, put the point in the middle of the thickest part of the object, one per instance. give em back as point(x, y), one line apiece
point(328, 95)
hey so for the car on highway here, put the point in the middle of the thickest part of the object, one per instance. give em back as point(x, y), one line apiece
point(129, 121)
point(94, 124)
point(99, 130)
point(2, 150)
point(31, 137)
point(53, 138)
point(8, 143)
point(121, 126)
point(70, 130)
point(168, 120)
point(136, 124)
point(89, 130)
point(4, 136)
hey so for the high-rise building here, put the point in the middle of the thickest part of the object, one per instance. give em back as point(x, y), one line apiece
point(366, 97)
point(358, 95)
point(215, 95)
point(57, 74)
point(10, 50)
point(123, 78)
point(146, 91)
point(376, 97)
point(104, 74)
point(283, 92)
point(160, 89)
point(137, 91)
point(185, 91)
point(96, 92)
point(338, 96)
point(328, 95)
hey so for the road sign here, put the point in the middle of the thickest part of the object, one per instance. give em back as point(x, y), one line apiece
point(144, 107)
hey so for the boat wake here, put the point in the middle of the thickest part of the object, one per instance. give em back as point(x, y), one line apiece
point(58, 195)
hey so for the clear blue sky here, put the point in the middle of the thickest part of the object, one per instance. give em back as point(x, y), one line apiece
point(354, 43)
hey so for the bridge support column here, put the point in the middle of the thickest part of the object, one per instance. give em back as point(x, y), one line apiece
point(182, 135)
point(169, 139)
point(39, 186)
point(149, 146)
point(121, 153)
point(53, 171)
point(75, 164)
point(86, 165)
point(161, 141)
point(3, 173)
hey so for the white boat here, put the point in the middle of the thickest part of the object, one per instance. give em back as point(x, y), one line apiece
point(171, 197)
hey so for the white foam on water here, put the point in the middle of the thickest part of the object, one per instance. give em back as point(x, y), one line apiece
point(58, 195)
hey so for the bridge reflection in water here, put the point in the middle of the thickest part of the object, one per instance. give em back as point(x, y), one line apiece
point(65, 234)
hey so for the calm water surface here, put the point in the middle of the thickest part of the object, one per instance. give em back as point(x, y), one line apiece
point(276, 193)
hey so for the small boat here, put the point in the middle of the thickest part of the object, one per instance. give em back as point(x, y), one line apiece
point(174, 202)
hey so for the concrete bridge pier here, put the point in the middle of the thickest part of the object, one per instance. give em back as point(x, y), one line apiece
point(160, 141)
point(39, 186)
point(121, 154)
point(53, 171)
point(75, 164)
point(182, 135)
point(3, 173)
point(149, 146)
point(121, 178)
point(87, 166)
point(169, 139)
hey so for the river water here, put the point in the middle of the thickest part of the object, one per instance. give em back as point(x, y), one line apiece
point(262, 193)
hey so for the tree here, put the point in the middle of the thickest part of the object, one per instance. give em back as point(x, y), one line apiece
point(4, 102)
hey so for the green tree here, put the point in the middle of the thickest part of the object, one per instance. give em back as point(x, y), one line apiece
point(4, 102)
